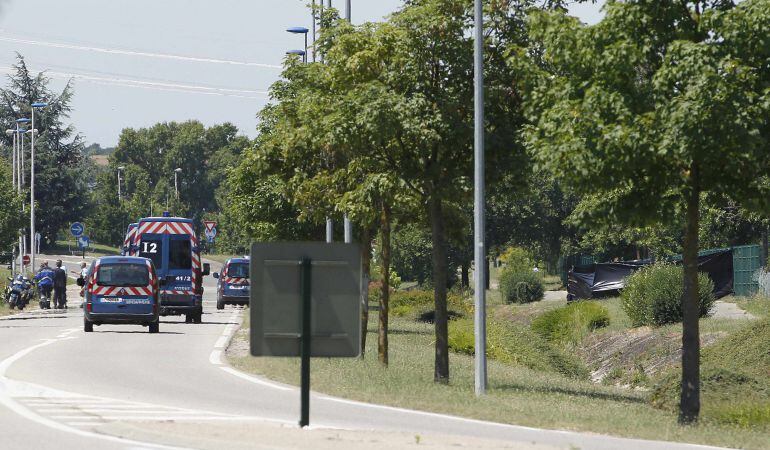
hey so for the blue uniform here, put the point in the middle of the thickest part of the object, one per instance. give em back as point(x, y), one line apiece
point(45, 278)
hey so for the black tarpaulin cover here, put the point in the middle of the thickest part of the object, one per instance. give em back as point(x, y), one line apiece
point(603, 279)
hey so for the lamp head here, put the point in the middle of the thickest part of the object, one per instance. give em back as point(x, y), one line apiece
point(296, 52)
point(39, 105)
point(23, 120)
point(297, 30)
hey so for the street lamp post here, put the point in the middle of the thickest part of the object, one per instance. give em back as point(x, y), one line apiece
point(33, 131)
point(120, 197)
point(20, 179)
point(303, 53)
point(177, 171)
point(479, 250)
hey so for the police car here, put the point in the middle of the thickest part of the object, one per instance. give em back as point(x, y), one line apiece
point(121, 290)
point(233, 283)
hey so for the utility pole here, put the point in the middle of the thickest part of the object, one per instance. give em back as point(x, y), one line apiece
point(347, 10)
point(479, 250)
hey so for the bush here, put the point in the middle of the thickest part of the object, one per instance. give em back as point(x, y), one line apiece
point(517, 259)
point(515, 344)
point(570, 324)
point(521, 287)
point(653, 295)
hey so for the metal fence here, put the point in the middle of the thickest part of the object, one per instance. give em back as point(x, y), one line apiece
point(746, 261)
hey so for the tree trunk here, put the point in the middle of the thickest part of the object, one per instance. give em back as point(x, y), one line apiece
point(382, 341)
point(689, 403)
point(465, 277)
point(440, 267)
point(366, 263)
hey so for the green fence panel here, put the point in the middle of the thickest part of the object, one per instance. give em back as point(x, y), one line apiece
point(746, 262)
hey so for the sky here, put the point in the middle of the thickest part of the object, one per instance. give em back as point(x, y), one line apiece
point(134, 63)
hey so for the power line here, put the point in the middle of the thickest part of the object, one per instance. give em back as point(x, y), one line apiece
point(117, 51)
point(155, 85)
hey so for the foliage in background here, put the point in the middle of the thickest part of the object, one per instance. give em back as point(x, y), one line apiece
point(570, 324)
point(60, 188)
point(521, 287)
point(149, 157)
point(653, 295)
point(517, 259)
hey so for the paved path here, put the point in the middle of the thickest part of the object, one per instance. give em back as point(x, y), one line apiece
point(123, 388)
point(728, 310)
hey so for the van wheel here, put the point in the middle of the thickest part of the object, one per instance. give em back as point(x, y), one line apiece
point(188, 318)
point(88, 326)
point(220, 305)
point(154, 327)
point(198, 318)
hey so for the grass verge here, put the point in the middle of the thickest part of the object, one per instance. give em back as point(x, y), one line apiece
point(65, 247)
point(517, 394)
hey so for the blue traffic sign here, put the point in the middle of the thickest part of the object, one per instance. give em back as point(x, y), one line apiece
point(83, 241)
point(77, 229)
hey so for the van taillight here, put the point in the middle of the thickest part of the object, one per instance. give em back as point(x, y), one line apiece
point(88, 306)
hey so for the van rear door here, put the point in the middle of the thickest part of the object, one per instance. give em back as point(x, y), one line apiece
point(179, 271)
point(122, 288)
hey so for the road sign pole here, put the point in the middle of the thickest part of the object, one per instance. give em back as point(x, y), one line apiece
point(305, 273)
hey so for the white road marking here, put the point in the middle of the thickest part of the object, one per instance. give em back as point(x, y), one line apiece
point(9, 402)
point(216, 357)
point(255, 380)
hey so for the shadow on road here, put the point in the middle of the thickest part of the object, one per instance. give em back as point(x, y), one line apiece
point(135, 332)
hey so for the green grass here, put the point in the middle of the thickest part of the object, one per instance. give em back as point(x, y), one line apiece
point(517, 394)
point(4, 274)
point(570, 324)
point(735, 386)
point(64, 247)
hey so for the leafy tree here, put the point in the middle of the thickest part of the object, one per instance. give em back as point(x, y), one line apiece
point(657, 104)
point(59, 188)
point(12, 217)
point(149, 157)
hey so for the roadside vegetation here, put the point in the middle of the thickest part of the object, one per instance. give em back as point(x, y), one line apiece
point(578, 366)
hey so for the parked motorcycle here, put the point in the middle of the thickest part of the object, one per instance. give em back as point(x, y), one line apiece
point(19, 292)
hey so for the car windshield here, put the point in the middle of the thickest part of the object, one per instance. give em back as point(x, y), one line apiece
point(123, 275)
point(238, 270)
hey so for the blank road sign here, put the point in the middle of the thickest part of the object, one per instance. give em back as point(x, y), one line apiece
point(276, 304)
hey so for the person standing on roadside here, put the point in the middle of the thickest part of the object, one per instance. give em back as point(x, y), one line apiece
point(59, 286)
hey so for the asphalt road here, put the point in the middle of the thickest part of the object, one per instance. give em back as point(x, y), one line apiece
point(120, 387)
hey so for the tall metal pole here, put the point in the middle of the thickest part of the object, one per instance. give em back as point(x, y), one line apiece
point(21, 151)
point(347, 10)
point(329, 231)
point(479, 252)
point(119, 196)
point(13, 162)
point(32, 193)
point(176, 186)
point(314, 24)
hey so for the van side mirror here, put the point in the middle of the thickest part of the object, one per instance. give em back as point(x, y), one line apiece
point(206, 269)
point(215, 275)
point(81, 282)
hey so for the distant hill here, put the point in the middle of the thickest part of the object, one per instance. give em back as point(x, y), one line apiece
point(96, 149)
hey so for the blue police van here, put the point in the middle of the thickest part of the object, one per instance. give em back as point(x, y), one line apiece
point(233, 283)
point(171, 244)
point(121, 290)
